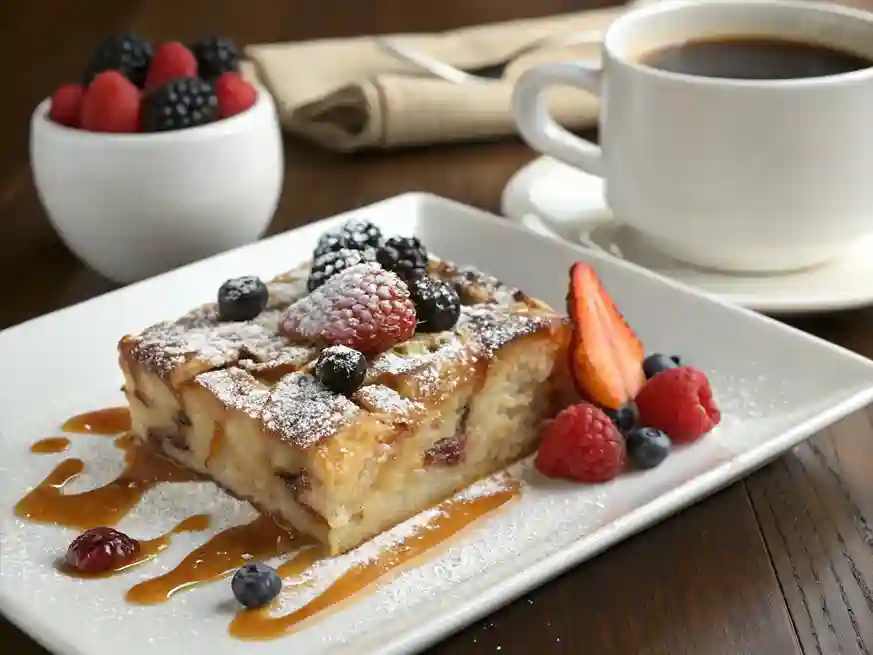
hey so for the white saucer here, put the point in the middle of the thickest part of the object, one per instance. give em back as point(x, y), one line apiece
point(556, 200)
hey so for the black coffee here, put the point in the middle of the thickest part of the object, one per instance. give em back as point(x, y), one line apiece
point(754, 59)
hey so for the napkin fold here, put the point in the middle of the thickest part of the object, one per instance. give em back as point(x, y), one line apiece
point(349, 94)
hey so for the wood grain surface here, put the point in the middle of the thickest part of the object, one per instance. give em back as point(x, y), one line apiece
point(779, 563)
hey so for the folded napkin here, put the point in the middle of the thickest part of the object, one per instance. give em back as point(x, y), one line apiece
point(348, 94)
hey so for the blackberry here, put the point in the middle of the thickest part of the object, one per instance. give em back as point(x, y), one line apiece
point(330, 263)
point(354, 235)
point(215, 56)
point(179, 104)
point(437, 305)
point(341, 369)
point(242, 298)
point(406, 256)
point(362, 234)
point(126, 53)
point(331, 242)
point(255, 584)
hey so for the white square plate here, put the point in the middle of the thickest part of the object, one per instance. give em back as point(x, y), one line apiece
point(776, 386)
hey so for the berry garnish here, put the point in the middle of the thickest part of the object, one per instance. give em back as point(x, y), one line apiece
point(126, 53)
point(363, 307)
point(332, 242)
point(625, 418)
point(255, 584)
point(436, 304)
point(180, 103)
point(170, 62)
point(581, 444)
point(215, 56)
point(449, 451)
point(362, 234)
point(606, 357)
point(242, 298)
point(235, 94)
point(658, 363)
point(100, 549)
point(111, 104)
point(679, 401)
point(66, 105)
point(330, 263)
point(403, 255)
point(341, 369)
point(647, 447)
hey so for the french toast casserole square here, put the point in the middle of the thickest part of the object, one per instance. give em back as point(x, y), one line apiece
point(239, 403)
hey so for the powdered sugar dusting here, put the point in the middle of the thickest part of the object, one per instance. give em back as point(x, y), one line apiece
point(202, 337)
point(302, 412)
point(493, 326)
point(236, 389)
point(387, 403)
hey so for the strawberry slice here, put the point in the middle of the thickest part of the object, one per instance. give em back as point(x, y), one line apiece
point(606, 357)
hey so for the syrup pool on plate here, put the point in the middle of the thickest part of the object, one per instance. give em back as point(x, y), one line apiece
point(226, 551)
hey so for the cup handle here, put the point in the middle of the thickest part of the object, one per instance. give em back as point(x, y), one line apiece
point(536, 124)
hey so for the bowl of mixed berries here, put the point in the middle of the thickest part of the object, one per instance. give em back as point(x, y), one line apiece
point(159, 156)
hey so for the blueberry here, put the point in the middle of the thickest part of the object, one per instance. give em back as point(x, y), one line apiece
point(625, 418)
point(658, 363)
point(242, 298)
point(647, 447)
point(256, 584)
point(341, 369)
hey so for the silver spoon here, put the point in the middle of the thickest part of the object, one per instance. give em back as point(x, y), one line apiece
point(483, 74)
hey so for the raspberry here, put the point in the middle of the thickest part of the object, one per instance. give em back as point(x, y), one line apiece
point(111, 104)
point(581, 444)
point(235, 95)
point(332, 262)
point(126, 53)
point(679, 402)
point(66, 105)
point(100, 549)
point(171, 61)
point(405, 256)
point(363, 307)
point(180, 103)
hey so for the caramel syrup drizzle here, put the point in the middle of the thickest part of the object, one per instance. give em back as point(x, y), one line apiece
point(105, 505)
point(454, 516)
point(148, 548)
point(50, 445)
point(109, 421)
point(260, 539)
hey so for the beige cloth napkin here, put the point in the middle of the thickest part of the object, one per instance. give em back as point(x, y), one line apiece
point(348, 94)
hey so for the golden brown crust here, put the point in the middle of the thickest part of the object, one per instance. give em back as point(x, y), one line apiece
point(250, 367)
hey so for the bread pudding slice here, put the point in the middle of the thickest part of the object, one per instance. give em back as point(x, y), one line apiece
point(239, 403)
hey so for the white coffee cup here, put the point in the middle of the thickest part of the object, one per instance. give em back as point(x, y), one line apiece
point(739, 175)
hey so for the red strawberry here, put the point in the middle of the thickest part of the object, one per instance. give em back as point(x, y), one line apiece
point(606, 357)
point(581, 444)
point(111, 104)
point(679, 402)
point(66, 104)
point(363, 307)
point(171, 61)
point(235, 94)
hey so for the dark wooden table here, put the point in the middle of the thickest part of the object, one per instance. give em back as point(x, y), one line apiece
point(779, 563)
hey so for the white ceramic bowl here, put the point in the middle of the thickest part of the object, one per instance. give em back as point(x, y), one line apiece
point(135, 205)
